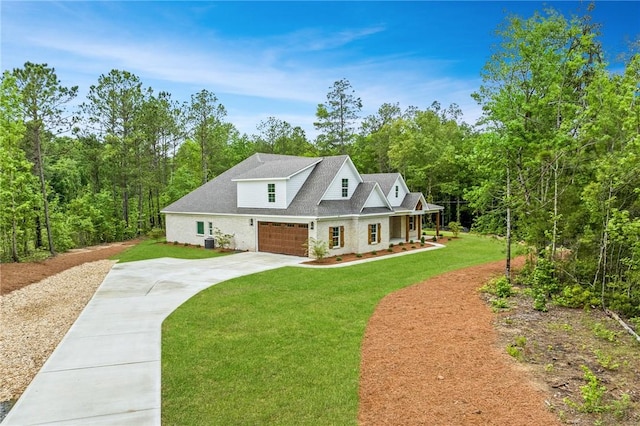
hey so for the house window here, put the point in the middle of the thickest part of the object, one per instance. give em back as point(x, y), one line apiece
point(210, 228)
point(336, 236)
point(396, 191)
point(412, 223)
point(345, 188)
point(200, 228)
point(271, 190)
point(374, 233)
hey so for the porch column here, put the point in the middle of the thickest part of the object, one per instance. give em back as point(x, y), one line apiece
point(438, 223)
point(406, 229)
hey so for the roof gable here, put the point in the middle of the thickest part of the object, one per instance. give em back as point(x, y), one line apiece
point(347, 170)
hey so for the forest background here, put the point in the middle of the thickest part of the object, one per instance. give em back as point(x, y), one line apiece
point(553, 164)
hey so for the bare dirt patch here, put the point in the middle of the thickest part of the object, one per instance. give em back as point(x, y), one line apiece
point(14, 276)
point(557, 345)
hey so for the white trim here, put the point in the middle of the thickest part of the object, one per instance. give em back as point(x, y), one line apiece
point(377, 187)
point(338, 176)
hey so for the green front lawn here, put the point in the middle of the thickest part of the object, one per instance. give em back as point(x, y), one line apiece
point(153, 249)
point(283, 346)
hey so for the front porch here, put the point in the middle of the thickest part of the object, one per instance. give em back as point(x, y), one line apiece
point(404, 228)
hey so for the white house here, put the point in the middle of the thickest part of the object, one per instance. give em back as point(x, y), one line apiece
point(276, 203)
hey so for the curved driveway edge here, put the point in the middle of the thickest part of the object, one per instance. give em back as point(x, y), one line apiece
point(106, 370)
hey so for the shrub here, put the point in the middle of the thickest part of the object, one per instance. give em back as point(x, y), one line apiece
point(358, 255)
point(500, 303)
point(606, 360)
point(156, 233)
point(576, 296)
point(318, 249)
point(592, 393)
point(515, 352)
point(374, 252)
point(404, 249)
point(422, 240)
point(390, 245)
point(455, 228)
point(601, 331)
point(224, 240)
point(498, 286)
point(390, 250)
point(503, 287)
point(543, 282)
point(338, 259)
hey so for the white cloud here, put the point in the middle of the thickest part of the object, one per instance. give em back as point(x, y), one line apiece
point(277, 70)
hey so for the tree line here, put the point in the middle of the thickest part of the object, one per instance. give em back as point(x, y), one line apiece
point(553, 164)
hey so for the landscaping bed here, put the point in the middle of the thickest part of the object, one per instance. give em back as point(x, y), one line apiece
point(393, 249)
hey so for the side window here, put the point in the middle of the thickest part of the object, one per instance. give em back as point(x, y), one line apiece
point(412, 223)
point(200, 228)
point(345, 188)
point(336, 236)
point(210, 228)
point(271, 191)
point(374, 233)
point(396, 191)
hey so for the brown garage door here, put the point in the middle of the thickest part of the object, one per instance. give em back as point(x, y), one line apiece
point(284, 238)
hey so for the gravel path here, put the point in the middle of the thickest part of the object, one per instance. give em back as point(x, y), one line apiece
point(35, 318)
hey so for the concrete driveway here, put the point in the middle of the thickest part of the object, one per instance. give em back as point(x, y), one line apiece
point(106, 370)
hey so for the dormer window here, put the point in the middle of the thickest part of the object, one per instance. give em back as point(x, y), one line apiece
point(396, 191)
point(345, 188)
point(271, 192)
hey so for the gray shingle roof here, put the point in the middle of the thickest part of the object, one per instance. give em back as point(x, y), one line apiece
point(219, 195)
point(411, 200)
point(385, 180)
point(279, 167)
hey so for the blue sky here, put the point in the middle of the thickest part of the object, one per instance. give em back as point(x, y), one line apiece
point(280, 58)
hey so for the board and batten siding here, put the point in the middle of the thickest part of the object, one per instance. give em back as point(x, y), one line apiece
point(295, 183)
point(347, 171)
point(402, 192)
point(254, 194)
point(376, 199)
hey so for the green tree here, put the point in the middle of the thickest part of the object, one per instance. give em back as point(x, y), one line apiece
point(371, 149)
point(279, 137)
point(532, 97)
point(610, 218)
point(43, 101)
point(417, 148)
point(160, 129)
point(112, 112)
point(186, 177)
point(205, 117)
point(17, 196)
point(337, 119)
